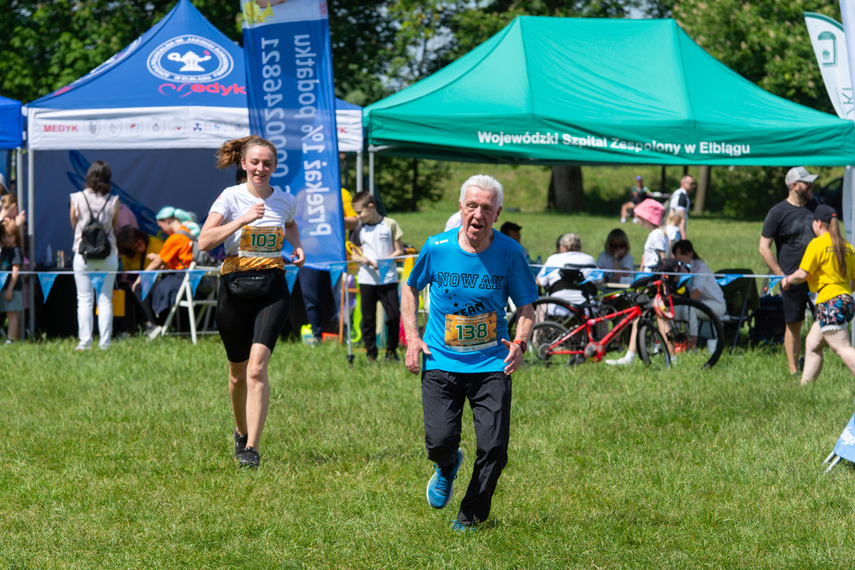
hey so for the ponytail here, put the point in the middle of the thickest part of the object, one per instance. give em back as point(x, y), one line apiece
point(231, 152)
point(838, 244)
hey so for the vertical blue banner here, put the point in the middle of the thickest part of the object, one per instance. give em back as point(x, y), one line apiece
point(291, 104)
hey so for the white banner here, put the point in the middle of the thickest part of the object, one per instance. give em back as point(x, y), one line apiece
point(829, 45)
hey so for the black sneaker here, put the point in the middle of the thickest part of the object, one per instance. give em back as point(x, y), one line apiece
point(240, 443)
point(249, 457)
point(392, 356)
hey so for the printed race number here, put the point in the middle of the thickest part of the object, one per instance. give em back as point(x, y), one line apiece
point(468, 334)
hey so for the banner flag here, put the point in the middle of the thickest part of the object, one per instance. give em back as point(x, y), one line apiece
point(845, 45)
point(97, 278)
point(46, 281)
point(775, 280)
point(291, 276)
point(291, 104)
point(384, 266)
point(147, 279)
point(845, 447)
point(594, 275)
point(641, 275)
point(335, 273)
point(195, 277)
point(727, 279)
point(683, 279)
point(829, 46)
point(3, 276)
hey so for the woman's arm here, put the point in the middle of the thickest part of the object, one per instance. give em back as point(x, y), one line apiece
point(214, 232)
point(799, 276)
point(73, 216)
point(292, 234)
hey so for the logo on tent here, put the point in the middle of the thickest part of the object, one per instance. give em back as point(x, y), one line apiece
point(190, 59)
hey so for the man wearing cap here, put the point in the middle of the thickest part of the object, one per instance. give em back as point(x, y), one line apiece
point(789, 224)
point(176, 253)
point(680, 201)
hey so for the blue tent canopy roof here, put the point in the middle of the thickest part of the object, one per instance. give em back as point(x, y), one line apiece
point(11, 123)
point(182, 84)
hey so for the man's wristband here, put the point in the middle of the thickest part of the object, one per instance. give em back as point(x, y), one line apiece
point(523, 344)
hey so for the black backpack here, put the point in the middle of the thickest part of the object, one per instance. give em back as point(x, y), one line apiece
point(94, 240)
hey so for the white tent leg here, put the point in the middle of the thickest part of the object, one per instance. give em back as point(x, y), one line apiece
point(827, 459)
point(371, 172)
point(848, 208)
point(359, 181)
point(31, 233)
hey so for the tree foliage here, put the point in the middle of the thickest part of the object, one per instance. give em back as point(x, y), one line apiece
point(765, 41)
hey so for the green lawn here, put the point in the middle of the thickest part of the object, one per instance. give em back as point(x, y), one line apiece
point(122, 459)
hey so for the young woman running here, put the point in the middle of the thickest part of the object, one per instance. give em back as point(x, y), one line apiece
point(253, 220)
point(828, 266)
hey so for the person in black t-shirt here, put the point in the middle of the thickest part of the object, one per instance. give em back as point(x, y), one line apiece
point(789, 225)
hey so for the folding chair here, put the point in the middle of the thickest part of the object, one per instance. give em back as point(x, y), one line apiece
point(741, 297)
point(184, 298)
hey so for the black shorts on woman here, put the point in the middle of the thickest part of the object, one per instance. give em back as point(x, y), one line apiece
point(244, 322)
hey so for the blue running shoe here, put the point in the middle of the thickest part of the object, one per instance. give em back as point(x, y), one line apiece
point(441, 486)
point(458, 526)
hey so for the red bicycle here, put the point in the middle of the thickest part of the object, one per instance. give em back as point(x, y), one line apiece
point(667, 325)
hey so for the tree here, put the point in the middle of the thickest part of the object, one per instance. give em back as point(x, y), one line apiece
point(765, 41)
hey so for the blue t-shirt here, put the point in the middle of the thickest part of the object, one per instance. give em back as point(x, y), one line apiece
point(468, 294)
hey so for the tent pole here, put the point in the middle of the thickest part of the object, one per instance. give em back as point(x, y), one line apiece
point(371, 172)
point(359, 181)
point(31, 237)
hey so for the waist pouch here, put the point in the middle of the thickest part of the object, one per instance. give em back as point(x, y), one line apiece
point(250, 284)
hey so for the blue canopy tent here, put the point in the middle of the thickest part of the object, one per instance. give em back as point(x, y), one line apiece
point(11, 129)
point(11, 123)
point(156, 112)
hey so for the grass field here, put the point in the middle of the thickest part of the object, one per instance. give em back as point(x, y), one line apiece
point(122, 459)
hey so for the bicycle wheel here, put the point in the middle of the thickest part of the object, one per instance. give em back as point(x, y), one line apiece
point(651, 346)
point(694, 319)
point(550, 309)
point(543, 349)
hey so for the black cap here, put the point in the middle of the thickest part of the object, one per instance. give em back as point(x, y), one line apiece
point(824, 213)
point(510, 227)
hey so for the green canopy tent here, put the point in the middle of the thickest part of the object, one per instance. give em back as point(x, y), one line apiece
point(588, 91)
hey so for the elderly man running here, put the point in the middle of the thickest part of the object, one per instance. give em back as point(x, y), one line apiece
point(471, 270)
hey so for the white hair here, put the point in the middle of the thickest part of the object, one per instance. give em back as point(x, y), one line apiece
point(487, 183)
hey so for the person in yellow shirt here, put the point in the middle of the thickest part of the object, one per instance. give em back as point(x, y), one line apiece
point(828, 266)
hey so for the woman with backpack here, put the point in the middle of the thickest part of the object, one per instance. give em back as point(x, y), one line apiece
point(94, 212)
point(828, 266)
point(252, 220)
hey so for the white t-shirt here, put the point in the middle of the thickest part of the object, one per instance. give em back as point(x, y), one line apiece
point(606, 261)
point(377, 242)
point(545, 278)
point(279, 209)
point(673, 233)
point(703, 280)
point(656, 241)
point(680, 203)
point(454, 221)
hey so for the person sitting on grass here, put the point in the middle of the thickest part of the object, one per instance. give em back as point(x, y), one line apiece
point(828, 266)
point(380, 238)
point(636, 196)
